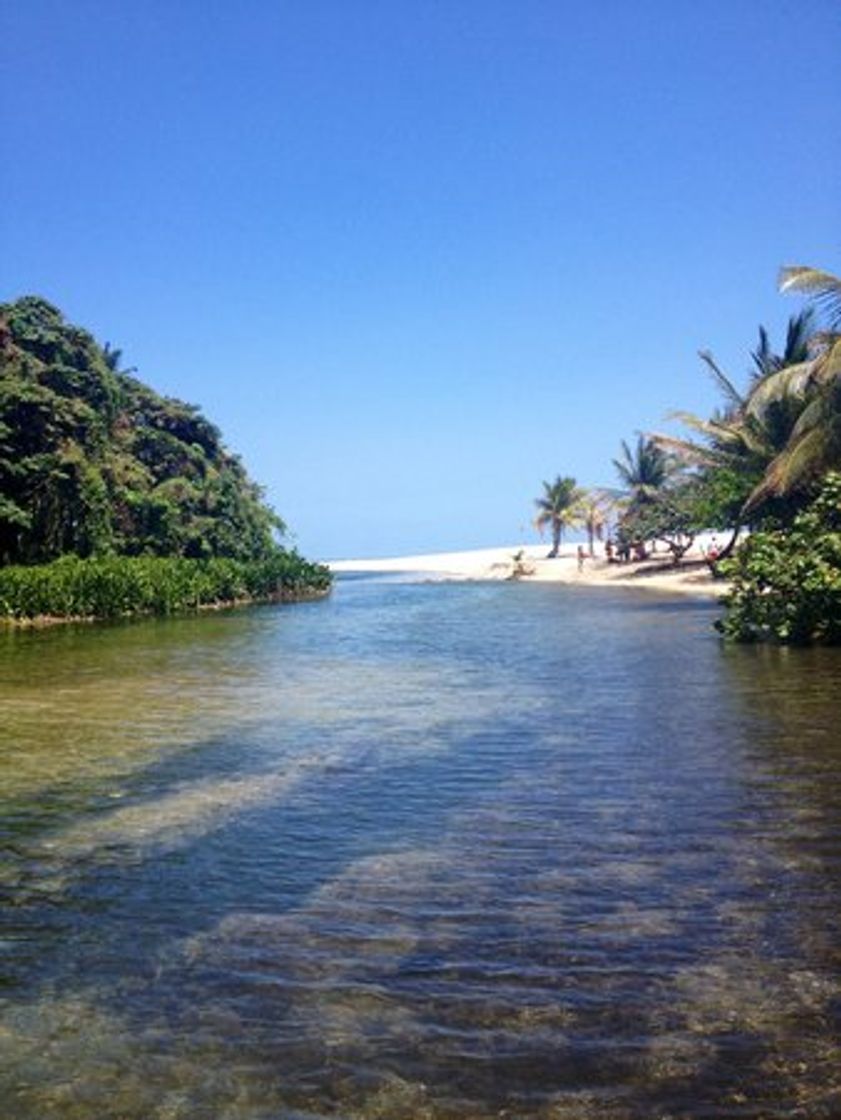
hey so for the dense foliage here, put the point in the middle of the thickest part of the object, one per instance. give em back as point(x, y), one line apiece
point(787, 581)
point(95, 463)
point(115, 586)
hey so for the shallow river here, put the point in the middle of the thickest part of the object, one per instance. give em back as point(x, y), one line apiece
point(420, 852)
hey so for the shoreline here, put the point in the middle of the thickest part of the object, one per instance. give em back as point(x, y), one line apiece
point(45, 621)
point(690, 577)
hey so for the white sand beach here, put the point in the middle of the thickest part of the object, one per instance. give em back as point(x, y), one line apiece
point(691, 577)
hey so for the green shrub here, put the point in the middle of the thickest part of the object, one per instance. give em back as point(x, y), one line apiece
point(115, 586)
point(787, 582)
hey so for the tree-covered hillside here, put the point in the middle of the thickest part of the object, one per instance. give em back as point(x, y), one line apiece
point(94, 462)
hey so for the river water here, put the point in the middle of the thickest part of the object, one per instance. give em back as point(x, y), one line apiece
point(415, 852)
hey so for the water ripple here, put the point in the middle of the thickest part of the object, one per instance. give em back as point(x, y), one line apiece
point(421, 853)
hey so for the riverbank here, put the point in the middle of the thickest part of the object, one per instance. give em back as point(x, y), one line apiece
point(690, 577)
point(75, 590)
point(44, 621)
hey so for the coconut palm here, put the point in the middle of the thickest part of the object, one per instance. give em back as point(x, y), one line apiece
point(593, 511)
point(812, 386)
point(730, 454)
point(737, 439)
point(559, 508)
point(645, 470)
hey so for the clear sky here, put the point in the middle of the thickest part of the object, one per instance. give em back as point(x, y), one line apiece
point(415, 256)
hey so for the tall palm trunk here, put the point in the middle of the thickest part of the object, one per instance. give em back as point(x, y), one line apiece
point(557, 530)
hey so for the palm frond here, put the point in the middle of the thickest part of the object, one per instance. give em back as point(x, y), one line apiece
point(818, 285)
point(812, 453)
point(799, 335)
point(755, 439)
point(623, 469)
point(716, 429)
point(827, 361)
point(789, 382)
point(790, 469)
point(763, 356)
point(820, 342)
point(800, 330)
point(689, 419)
point(817, 413)
point(721, 379)
point(691, 454)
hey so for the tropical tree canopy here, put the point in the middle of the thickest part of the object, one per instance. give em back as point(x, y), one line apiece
point(644, 470)
point(738, 442)
point(559, 508)
point(813, 445)
point(94, 462)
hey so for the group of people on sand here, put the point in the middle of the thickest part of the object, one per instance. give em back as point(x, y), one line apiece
point(623, 551)
point(620, 553)
point(616, 552)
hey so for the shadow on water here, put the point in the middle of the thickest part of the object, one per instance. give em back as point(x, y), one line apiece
point(425, 852)
point(344, 808)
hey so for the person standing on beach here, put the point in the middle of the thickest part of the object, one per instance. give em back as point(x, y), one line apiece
point(582, 556)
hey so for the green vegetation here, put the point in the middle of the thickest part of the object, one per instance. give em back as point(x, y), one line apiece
point(566, 505)
point(558, 508)
point(766, 462)
point(787, 581)
point(593, 512)
point(644, 471)
point(668, 516)
point(93, 462)
point(114, 499)
point(115, 586)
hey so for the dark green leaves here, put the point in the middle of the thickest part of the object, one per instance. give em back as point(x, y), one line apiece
point(94, 462)
point(787, 582)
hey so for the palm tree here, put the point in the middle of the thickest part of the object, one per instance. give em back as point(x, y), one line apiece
point(737, 440)
point(645, 470)
point(593, 512)
point(812, 386)
point(558, 508)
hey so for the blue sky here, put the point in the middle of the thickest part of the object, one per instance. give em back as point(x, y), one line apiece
point(415, 256)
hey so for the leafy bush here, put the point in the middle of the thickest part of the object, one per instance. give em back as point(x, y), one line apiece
point(111, 587)
point(787, 582)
